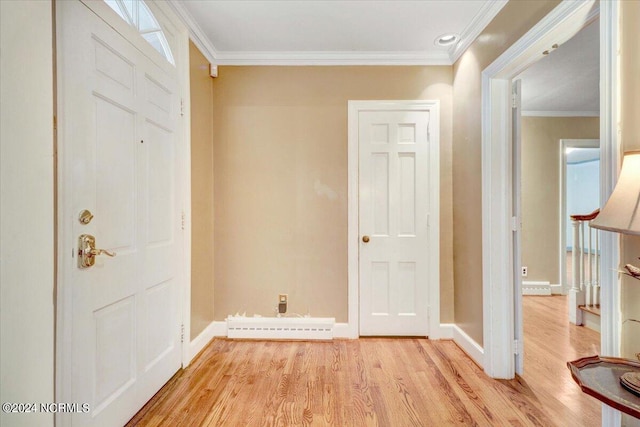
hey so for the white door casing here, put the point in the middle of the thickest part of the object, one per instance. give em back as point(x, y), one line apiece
point(394, 154)
point(498, 312)
point(516, 206)
point(120, 156)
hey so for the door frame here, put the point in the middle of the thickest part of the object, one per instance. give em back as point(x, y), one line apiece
point(63, 215)
point(353, 153)
point(498, 313)
point(564, 144)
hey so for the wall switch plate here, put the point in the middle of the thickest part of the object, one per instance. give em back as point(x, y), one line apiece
point(525, 271)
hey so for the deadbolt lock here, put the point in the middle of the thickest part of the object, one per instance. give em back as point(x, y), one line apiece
point(87, 251)
point(85, 217)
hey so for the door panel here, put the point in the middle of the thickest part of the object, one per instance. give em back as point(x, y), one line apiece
point(119, 113)
point(394, 204)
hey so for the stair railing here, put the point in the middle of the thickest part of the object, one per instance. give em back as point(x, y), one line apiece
point(585, 266)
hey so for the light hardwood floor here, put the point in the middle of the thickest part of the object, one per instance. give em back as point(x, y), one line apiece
point(381, 381)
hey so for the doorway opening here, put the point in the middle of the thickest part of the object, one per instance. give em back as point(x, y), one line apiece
point(500, 332)
point(580, 195)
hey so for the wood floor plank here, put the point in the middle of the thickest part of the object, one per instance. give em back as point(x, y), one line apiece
point(381, 382)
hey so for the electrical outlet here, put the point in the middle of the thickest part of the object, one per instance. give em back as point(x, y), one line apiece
point(525, 271)
point(282, 303)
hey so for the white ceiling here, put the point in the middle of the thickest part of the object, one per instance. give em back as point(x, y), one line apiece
point(565, 82)
point(244, 32)
point(385, 32)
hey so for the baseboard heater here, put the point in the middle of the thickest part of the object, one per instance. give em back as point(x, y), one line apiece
point(536, 288)
point(297, 328)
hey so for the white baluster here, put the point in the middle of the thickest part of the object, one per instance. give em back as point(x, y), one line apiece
point(575, 256)
point(597, 258)
point(581, 248)
point(576, 297)
point(589, 281)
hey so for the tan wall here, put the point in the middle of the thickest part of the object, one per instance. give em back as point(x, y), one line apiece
point(630, 111)
point(201, 192)
point(280, 141)
point(515, 19)
point(541, 191)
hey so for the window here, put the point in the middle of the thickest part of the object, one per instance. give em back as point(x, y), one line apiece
point(137, 14)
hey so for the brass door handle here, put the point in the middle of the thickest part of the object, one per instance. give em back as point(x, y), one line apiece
point(365, 239)
point(95, 252)
point(87, 251)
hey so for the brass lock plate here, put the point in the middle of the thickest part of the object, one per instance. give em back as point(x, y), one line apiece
point(86, 258)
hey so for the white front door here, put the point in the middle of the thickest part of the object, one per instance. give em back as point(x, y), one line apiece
point(395, 199)
point(119, 112)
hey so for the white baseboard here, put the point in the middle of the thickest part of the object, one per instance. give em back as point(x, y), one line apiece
point(536, 288)
point(343, 330)
point(214, 329)
point(556, 290)
point(464, 341)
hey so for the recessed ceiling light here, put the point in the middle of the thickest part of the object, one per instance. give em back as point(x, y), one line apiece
point(447, 39)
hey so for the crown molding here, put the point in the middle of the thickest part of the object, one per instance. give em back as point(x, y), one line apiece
point(198, 37)
point(563, 12)
point(475, 27)
point(469, 34)
point(331, 58)
point(526, 113)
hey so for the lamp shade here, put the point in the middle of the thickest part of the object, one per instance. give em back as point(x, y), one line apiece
point(621, 213)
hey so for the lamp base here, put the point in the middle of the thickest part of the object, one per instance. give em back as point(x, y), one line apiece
point(631, 382)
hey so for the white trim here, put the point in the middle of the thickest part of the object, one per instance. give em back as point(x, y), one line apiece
point(486, 14)
point(529, 113)
point(562, 260)
point(610, 324)
point(610, 160)
point(352, 223)
point(558, 26)
point(195, 32)
point(181, 56)
point(497, 259)
point(354, 108)
point(213, 329)
point(498, 288)
point(343, 330)
point(464, 341)
point(331, 58)
point(556, 289)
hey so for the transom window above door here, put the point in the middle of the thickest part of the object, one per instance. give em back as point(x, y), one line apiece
point(137, 14)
